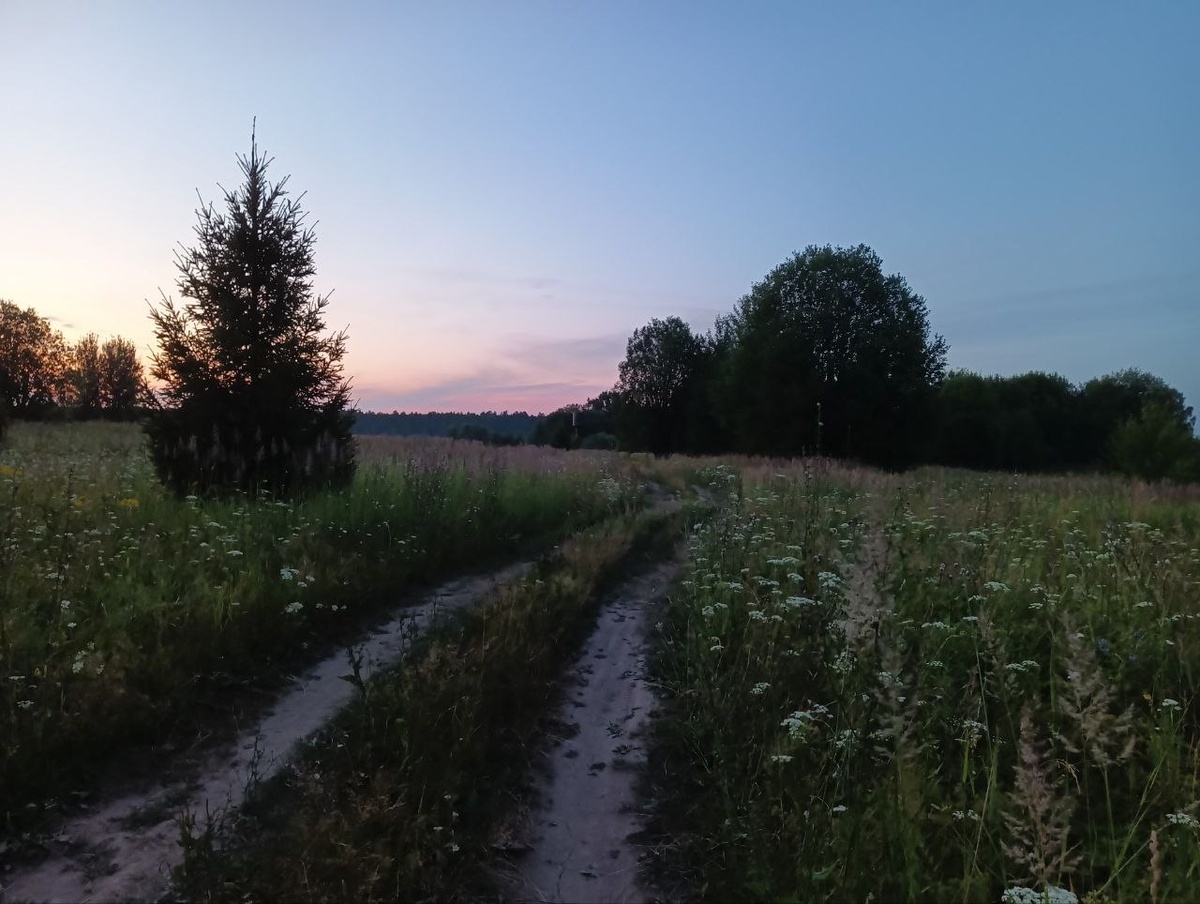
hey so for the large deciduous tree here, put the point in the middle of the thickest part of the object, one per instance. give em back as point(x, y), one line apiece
point(251, 393)
point(1156, 445)
point(828, 354)
point(661, 388)
point(87, 376)
point(33, 361)
point(121, 379)
point(107, 378)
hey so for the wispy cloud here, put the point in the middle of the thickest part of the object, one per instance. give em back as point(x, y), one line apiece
point(484, 278)
point(480, 393)
point(528, 373)
point(590, 355)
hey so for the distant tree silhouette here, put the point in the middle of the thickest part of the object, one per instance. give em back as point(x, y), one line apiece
point(251, 394)
point(1112, 400)
point(122, 384)
point(570, 427)
point(828, 354)
point(661, 387)
point(33, 362)
point(87, 377)
point(1156, 445)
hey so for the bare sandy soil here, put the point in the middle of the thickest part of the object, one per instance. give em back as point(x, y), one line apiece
point(578, 846)
point(124, 849)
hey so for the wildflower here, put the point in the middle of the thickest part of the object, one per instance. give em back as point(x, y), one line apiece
point(288, 574)
point(64, 605)
point(798, 722)
point(847, 739)
point(972, 731)
point(235, 552)
point(995, 587)
point(1018, 894)
point(293, 608)
point(129, 503)
point(24, 704)
point(840, 808)
point(1168, 703)
point(1025, 665)
point(796, 602)
point(1184, 819)
point(781, 758)
point(759, 689)
point(828, 580)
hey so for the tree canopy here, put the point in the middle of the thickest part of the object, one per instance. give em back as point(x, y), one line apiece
point(34, 361)
point(829, 355)
point(661, 391)
point(251, 393)
point(42, 376)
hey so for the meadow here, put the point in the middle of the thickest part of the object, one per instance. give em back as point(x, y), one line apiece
point(938, 686)
point(127, 615)
point(931, 686)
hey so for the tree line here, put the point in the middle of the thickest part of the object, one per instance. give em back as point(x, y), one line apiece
point(42, 375)
point(828, 355)
point(498, 428)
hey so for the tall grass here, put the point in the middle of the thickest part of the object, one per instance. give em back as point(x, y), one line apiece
point(123, 609)
point(937, 687)
point(408, 794)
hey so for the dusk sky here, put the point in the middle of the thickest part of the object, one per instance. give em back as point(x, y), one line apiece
point(503, 191)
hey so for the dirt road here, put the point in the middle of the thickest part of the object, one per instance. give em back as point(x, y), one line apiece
point(124, 849)
point(585, 807)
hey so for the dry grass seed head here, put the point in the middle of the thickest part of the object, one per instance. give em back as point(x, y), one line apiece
point(1039, 814)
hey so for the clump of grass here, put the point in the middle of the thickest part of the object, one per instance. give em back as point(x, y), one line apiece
point(401, 799)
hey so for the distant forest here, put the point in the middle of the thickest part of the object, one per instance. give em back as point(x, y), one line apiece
point(500, 428)
point(830, 356)
point(827, 355)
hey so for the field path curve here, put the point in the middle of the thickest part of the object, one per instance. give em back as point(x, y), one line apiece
point(125, 847)
point(586, 807)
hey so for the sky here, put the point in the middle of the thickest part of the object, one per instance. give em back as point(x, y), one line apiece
point(503, 191)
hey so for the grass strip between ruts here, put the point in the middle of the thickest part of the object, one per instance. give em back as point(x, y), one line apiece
point(402, 796)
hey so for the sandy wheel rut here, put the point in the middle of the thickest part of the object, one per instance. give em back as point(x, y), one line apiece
point(586, 806)
point(124, 848)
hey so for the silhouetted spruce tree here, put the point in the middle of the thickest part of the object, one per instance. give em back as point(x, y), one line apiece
point(251, 394)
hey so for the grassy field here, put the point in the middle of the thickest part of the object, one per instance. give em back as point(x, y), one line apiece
point(411, 792)
point(935, 687)
point(126, 613)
